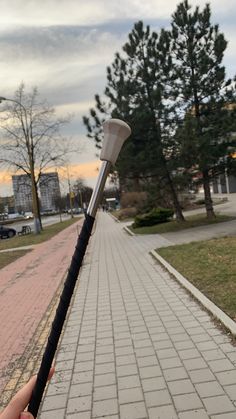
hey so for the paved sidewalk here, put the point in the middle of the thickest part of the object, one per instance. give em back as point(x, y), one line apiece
point(136, 346)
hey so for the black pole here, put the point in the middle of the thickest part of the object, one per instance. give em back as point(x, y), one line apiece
point(60, 315)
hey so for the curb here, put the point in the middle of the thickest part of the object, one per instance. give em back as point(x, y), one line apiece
point(208, 304)
point(128, 231)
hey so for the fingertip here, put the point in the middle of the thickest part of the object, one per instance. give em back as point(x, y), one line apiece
point(26, 415)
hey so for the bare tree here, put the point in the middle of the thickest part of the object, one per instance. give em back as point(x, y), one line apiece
point(30, 139)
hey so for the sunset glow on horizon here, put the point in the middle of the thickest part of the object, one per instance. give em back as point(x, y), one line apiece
point(87, 171)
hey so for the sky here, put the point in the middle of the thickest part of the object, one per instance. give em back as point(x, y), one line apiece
point(64, 46)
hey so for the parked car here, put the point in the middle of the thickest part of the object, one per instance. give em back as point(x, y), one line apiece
point(6, 232)
point(28, 215)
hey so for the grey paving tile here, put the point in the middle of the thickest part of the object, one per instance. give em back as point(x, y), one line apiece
point(58, 388)
point(170, 363)
point(53, 414)
point(194, 414)
point(105, 408)
point(212, 388)
point(128, 382)
point(83, 389)
point(55, 402)
point(104, 379)
point(189, 401)
point(162, 412)
point(224, 416)
point(231, 391)
point(151, 384)
point(104, 368)
point(84, 366)
point(105, 392)
point(194, 364)
point(82, 377)
point(157, 398)
point(218, 404)
point(175, 374)
point(149, 372)
point(133, 411)
point(221, 365)
point(79, 404)
point(201, 376)
point(130, 395)
point(180, 387)
point(227, 377)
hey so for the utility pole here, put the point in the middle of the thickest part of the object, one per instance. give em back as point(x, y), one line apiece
point(70, 193)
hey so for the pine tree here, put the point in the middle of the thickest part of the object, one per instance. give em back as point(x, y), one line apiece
point(205, 97)
point(137, 92)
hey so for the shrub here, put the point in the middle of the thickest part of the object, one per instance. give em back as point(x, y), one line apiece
point(155, 216)
point(126, 213)
point(199, 201)
point(133, 199)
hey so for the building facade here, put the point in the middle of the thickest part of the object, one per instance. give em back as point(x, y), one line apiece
point(22, 193)
point(49, 191)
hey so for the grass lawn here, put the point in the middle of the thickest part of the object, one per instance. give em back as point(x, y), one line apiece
point(210, 266)
point(8, 257)
point(191, 221)
point(32, 238)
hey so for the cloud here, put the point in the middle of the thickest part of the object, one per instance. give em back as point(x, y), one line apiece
point(92, 12)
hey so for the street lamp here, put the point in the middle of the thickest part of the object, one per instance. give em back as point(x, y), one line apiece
point(29, 145)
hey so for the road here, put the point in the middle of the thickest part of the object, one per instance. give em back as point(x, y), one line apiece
point(52, 219)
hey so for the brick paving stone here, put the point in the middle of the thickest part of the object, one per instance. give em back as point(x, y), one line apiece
point(146, 350)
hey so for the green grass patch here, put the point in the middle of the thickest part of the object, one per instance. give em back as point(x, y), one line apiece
point(171, 226)
point(8, 257)
point(210, 266)
point(31, 239)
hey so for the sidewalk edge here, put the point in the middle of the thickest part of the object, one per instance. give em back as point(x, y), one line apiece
point(128, 231)
point(208, 304)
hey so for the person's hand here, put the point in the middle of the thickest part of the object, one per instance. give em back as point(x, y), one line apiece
point(15, 408)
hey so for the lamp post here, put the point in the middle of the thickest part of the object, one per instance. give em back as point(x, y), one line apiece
point(29, 145)
point(70, 193)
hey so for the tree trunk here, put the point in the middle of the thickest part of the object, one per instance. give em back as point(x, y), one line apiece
point(177, 207)
point(136, 183)
point(207, 195)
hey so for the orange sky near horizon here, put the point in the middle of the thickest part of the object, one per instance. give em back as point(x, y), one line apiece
point(87, 171)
